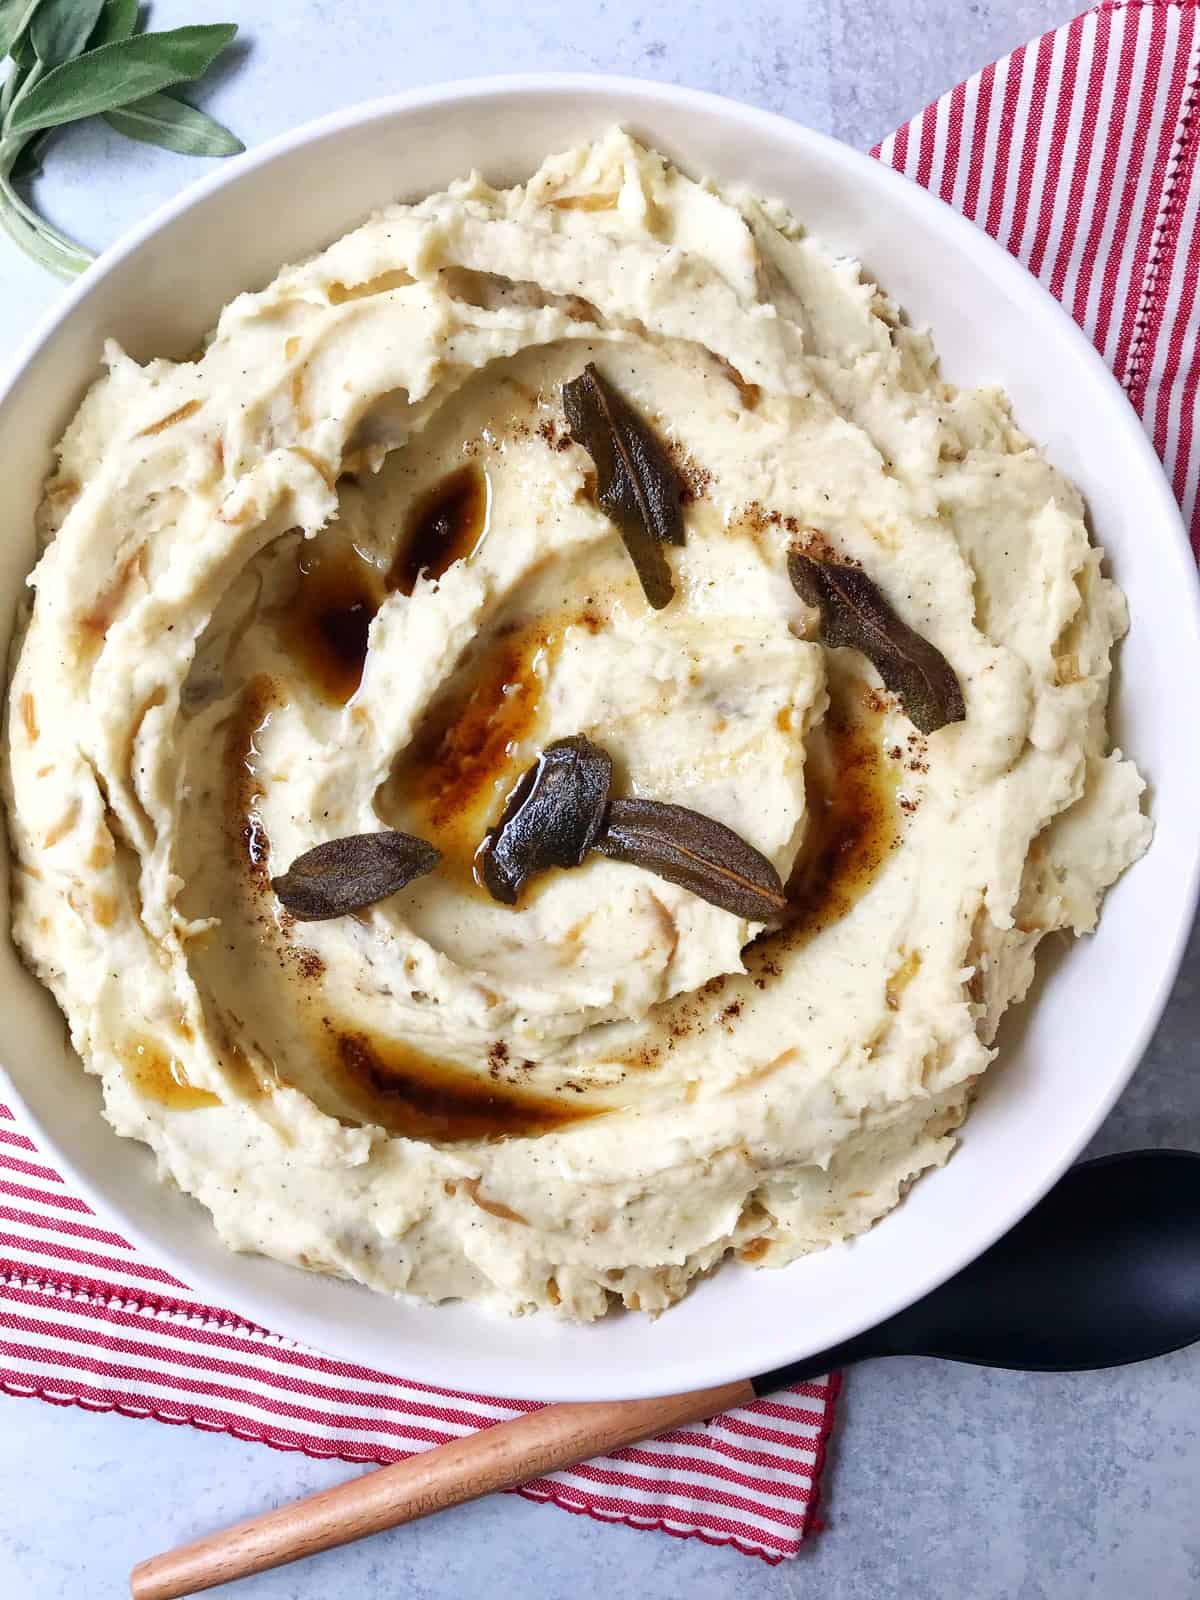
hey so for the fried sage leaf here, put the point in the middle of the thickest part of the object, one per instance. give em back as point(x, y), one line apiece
point(551, 818)
point(695, 852)
point(347, 874)
point(636, 484)
point(855, 614)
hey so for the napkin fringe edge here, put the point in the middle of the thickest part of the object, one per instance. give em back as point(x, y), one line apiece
point(1168, 216)
point(812, 1523)
point(773, 1558)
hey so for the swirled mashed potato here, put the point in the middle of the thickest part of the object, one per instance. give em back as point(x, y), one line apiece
point(346, 570)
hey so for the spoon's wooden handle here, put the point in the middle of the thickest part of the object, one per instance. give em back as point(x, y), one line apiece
point(497, 1458)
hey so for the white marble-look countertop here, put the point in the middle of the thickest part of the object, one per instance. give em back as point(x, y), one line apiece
point(943, 1482)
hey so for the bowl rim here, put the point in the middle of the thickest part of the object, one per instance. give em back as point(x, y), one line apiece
point(708, 1367)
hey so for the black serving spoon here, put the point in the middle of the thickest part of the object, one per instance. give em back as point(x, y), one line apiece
point(1104, 1271)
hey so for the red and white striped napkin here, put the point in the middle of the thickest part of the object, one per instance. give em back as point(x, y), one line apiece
point(85, 1320)
point(1079, 153)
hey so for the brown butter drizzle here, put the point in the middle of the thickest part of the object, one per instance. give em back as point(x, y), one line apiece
point(446, 524)
point(324, 625)
point(853, 824)
point(94, 622)
point(418, 1096)
point(449, 780)
point(259, 699)
point(160, 1077)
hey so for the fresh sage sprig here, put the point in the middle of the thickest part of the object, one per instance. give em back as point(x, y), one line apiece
point(73, 59)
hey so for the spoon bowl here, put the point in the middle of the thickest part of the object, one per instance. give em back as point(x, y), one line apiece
point(1104, 1271)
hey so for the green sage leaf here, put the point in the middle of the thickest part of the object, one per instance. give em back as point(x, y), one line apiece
point(175, 125)
point(15, 17)
point(119, 73)
point(118, 20)
point(855, 615)
point(61, 28)
point(29, 162)
point(24, 55)
point(44, 244)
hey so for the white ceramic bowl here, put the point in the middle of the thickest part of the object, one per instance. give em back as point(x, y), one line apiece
point(1067, 1059)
